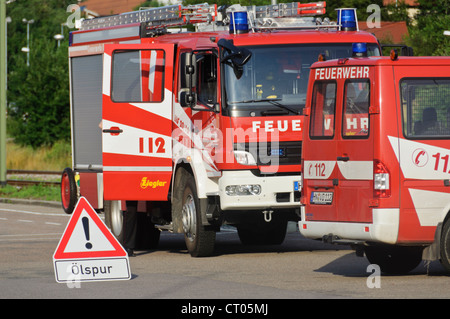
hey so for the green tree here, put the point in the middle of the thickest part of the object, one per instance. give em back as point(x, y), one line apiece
point(427, 34)
point(396, 12)
point(360, 5)
point(38, 95)
point(430, 7)
point(150, 4)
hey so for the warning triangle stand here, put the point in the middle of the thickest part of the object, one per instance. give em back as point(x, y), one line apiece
point(88, 251)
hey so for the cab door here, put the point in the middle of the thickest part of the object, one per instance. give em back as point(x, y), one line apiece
point(354, 152)
point(137, 121)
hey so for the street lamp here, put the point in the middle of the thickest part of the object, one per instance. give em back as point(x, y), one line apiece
point(60, 37)
point(2, 92)
point(27, 49)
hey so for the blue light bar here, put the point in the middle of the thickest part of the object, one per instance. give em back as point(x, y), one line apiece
point(238, 22)
point(347, 19)
point(359, 49)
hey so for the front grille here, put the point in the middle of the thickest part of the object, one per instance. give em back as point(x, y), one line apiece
point(275, 153)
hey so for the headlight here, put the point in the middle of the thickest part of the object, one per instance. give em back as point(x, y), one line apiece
point(239, 190)
point(244, 158)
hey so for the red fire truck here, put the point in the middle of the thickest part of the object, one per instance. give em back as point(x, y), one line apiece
point(202, 128)
point(375, 158)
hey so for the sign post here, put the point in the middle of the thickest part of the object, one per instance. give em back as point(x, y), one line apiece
point(3, 75)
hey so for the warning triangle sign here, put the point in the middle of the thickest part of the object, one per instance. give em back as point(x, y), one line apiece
point(86, 236)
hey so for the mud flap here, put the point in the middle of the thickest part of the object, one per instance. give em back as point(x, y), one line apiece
point(432, 252)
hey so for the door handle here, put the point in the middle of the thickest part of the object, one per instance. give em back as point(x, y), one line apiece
point(343, 158)
point(113, 130)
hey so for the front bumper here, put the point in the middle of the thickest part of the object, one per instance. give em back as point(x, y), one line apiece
point(276, 191)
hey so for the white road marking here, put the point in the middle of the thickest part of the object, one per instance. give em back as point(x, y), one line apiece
point(32, 213)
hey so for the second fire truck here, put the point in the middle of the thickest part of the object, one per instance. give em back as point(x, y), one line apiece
point(376, 158)
point(201, 128)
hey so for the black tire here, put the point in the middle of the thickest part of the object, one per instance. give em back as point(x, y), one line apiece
point(114, 217)
point(445, 245)
point(68, 190)
point(147, 236)
point(396, 260)
point(262, 233)
point(199, 240)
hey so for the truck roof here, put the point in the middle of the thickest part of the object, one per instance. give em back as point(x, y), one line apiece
point(385, 60)
point(272, 37)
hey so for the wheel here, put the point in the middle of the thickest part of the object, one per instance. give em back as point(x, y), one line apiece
point(147, 236)
point(445, 245)
point(114, 217)
point(68, 190)
point(199, 240)
point(261, 232)
point(394, 259)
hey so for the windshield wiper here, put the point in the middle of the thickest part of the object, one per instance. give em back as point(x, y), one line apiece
point(273, 102)
point(282, 106)
point(259, 100)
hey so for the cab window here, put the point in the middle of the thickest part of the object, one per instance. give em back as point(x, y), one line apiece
point(425, 107)
point(323, 110)
point(205, 82)
point(355, 119)
point(138, 76)
point(207, 79)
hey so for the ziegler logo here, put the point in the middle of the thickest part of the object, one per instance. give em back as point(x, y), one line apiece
point(151, 184)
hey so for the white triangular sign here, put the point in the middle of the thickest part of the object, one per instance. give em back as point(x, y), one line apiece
point(87, 236)
point(88, 251)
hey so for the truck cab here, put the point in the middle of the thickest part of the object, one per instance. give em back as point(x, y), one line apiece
point(374, 164)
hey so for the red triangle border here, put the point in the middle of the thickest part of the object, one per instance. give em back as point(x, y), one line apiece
point(83, 204)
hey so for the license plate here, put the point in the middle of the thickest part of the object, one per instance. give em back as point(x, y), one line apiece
point(321, 198)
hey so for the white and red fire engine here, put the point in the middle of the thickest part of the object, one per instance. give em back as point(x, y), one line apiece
point(202, 128)
point(376, 149)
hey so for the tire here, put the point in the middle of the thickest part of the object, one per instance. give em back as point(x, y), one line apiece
point(445, 245)
point(68, 190)
point(199, 240)
point(147, 236)
point(396, 260)
point(262, 233)
point(114, 217)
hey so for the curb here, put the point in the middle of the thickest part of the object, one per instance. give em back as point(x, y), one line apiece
point(30, 202)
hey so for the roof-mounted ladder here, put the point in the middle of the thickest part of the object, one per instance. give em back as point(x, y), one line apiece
point(179, 15)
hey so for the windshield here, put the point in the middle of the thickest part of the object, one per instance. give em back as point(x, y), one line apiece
point(275, 79)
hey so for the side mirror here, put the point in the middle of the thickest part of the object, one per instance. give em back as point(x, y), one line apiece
point(187, 95)
point(234, 56)
point(237, 56)
point(188, 98)
point(190, 69)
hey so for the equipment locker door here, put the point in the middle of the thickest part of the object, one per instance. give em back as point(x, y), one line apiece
point(137, 121)
point(355, 153)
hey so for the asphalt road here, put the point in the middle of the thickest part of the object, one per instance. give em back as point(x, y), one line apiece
point(298, 269)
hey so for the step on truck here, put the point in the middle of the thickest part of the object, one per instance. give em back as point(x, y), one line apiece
point(203, 128)
point(376, 149)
